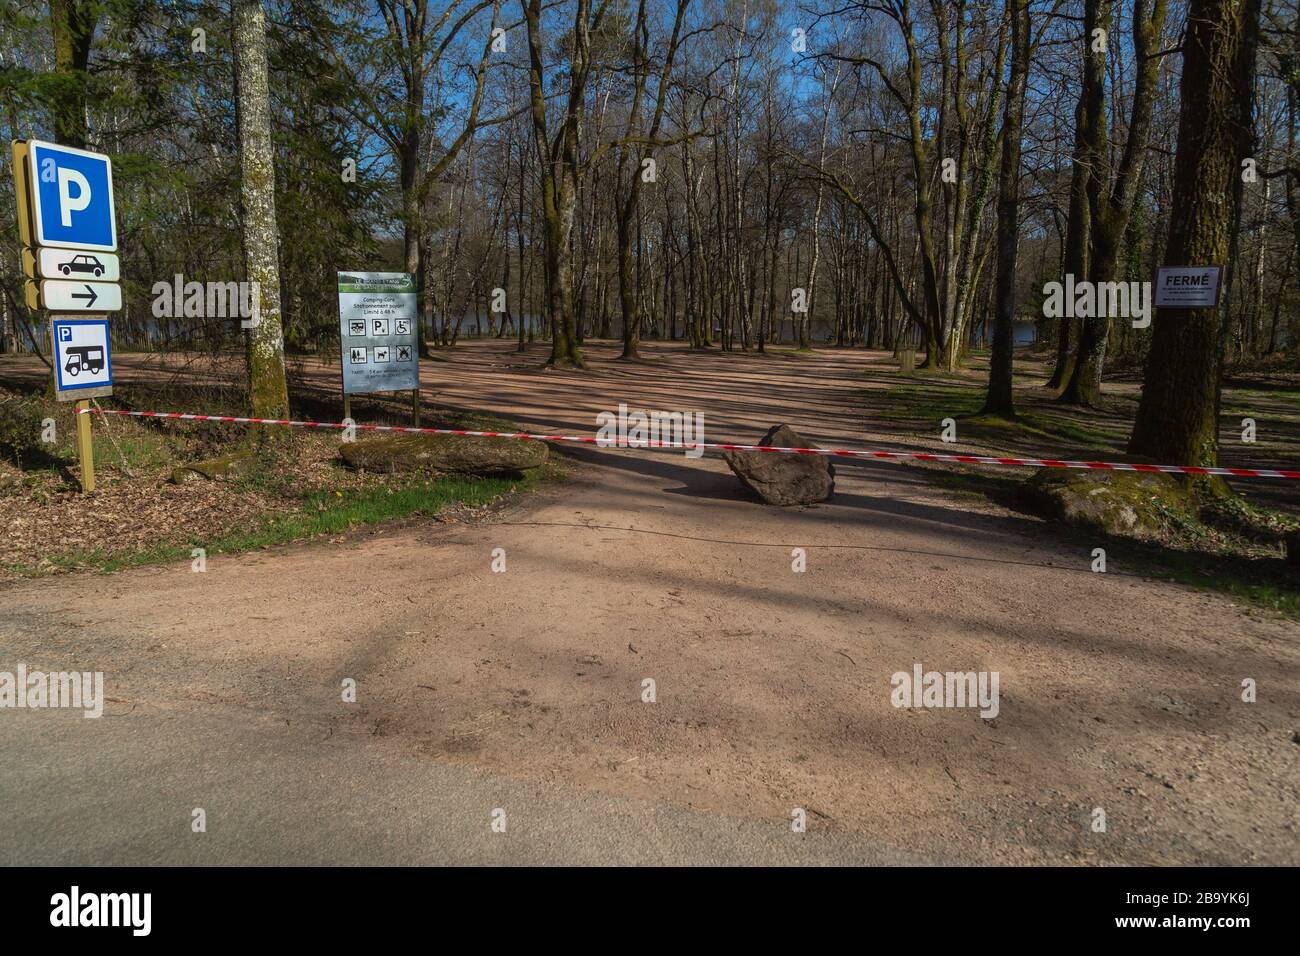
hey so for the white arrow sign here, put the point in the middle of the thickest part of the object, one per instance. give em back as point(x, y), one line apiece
point(60, 296)
point(67, 263)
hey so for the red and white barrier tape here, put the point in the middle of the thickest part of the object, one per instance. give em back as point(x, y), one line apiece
point(829, 452)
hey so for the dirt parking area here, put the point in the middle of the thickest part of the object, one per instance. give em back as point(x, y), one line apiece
point(1119, 692)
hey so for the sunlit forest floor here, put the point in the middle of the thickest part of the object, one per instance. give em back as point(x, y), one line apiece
point(916, 405)
point(139, 517)
point(150, 507)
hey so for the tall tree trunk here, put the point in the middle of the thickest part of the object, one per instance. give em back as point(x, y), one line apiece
point(560, 169)
point(417, 49)
point(1087, 178)
point(72, 24)
point(267, 390)
point(8, 333)
point(1277, 301)
point(1079, 222)
point(1000, 400)
point(803, 323)
point(1112, 203)
point(628, 203)
point(1177, 419)
point(524, 318)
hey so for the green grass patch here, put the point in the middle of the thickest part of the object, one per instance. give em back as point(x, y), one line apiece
point(1232, 414)
point(1243, 586)
point(931, 403)
point(1254, 582)
point(143, 451)
point(324, 512)
point(1063, 429)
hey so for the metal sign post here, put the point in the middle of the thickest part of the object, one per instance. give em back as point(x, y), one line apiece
point(68, 228)
point(83, 369)
point(378, 336)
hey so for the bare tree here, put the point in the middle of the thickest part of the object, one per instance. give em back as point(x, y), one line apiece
point(558, 157)
point(267, 392)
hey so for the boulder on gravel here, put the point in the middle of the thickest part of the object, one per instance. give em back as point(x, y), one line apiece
point(781, 479)
point(1134, 504)
point(452, 454)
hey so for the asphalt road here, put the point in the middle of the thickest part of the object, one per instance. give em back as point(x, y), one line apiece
point(122, 789)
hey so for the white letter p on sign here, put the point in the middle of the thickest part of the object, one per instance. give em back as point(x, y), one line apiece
point(68, 205)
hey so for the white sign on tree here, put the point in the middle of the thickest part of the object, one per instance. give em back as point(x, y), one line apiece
point(1187, 287)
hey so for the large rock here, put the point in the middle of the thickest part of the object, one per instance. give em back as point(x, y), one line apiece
point(215, 469)
point(1134, 504)
point(453, 454)
point(782, 479)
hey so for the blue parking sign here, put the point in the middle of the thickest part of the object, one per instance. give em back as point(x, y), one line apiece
point(82, 357)
point(72, 197)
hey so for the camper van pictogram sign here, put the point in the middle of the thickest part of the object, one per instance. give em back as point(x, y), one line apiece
point(82, 358)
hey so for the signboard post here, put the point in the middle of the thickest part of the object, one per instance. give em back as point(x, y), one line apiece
point(83, 369)
point(82, 357)
point(379, 335)
point(68, 227)
point(85, 448)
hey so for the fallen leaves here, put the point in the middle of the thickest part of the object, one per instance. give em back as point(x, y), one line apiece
point(51, 526)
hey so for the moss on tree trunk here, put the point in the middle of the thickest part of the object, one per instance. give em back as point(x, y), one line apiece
point(268, 393)
point(1177, 420)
